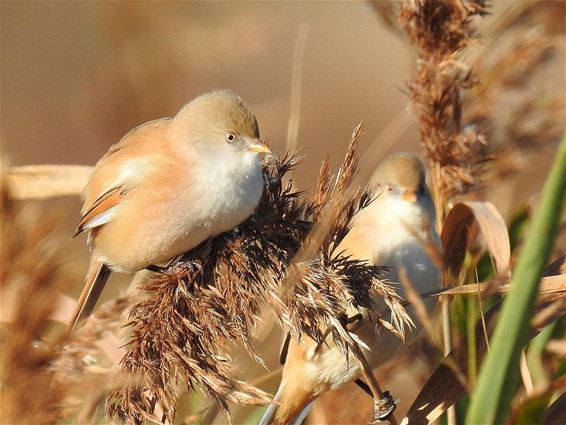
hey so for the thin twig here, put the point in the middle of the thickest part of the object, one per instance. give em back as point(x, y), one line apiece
point(296, 87)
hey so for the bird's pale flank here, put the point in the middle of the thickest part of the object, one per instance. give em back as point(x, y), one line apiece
point(390, 232)
point(169, 185)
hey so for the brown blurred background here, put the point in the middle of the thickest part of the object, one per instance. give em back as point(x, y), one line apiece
point(76, 76)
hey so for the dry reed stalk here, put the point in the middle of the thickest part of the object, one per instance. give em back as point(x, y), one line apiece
point(296, 88)
point(46, 181)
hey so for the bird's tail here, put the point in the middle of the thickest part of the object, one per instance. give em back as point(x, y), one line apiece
point(286, 410)
point(269, 414)
point(98, 274)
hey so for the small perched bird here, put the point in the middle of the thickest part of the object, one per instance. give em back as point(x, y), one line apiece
point(390, 232)
point(169, 185)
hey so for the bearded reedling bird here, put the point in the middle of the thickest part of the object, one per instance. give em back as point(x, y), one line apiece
point(169, 185)
point(389, 232)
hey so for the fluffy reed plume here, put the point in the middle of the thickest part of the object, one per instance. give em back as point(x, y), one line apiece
point(210, 301)
point(212, 297)
point(86, 362)
point(440, 30)
point(328, 281)
point(534, 118)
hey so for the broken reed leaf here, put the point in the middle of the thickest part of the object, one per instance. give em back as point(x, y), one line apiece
point(456, 232)
point(199, 308)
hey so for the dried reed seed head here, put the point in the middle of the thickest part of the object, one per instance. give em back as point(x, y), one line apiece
point(440, 29)
point(29, 281)
point(201, 307)
point(531, 123)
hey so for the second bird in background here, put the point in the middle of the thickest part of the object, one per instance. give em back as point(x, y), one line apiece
point(391, 231)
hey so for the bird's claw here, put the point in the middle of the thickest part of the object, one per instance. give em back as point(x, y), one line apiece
point(383, 408)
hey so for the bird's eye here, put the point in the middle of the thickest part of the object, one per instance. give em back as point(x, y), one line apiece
point(230, 137)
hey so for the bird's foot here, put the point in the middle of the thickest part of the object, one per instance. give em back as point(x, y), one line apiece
point(156, 268)
point(194, 267)
point(173, 263)
point(165, 266)
point(383, 408)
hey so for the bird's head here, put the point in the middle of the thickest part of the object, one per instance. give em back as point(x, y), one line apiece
point(219, 123)
point(402, 175)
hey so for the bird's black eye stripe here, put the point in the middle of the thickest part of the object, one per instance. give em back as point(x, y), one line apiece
point(230, 137)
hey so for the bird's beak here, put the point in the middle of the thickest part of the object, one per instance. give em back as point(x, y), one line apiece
point(409, 195)
point(257, 146)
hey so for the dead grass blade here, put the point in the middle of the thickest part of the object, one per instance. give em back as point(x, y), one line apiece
point(456, 234)
point(548, 285)
point(556, 413)
point(46, 181)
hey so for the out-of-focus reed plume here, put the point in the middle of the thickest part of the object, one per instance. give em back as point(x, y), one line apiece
point(201, 307)
point(441, 30)
point(509, 107)
point(46, 375)
point(29, 281)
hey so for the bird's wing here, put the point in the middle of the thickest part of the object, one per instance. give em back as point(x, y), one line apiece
point(120, 170)
point(102, 209)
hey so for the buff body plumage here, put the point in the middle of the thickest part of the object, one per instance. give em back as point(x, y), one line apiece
point(169, 185)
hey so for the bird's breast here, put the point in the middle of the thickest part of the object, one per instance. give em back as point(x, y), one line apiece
point(230, 192)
